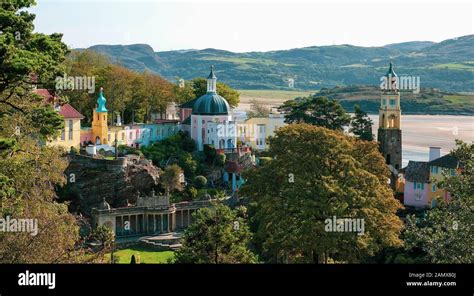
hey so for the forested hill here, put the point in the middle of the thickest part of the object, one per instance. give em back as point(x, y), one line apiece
point(447, 65)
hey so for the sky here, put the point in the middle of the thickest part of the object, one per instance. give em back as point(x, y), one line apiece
point(258, 25)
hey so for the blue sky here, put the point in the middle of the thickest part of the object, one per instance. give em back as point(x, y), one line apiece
point(259, 25)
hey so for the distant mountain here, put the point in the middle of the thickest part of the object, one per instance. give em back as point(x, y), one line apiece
point(447, 65)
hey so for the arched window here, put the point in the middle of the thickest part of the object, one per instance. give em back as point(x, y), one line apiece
point(391, 121)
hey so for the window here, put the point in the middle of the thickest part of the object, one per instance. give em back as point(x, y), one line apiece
point(123, 136)
point(434, 169)
point(392, 102)
point(71, 133)
point(453, 172)
point(131, 135)
point(418, 185)
point(433, 188)
point(63, 135)
point(418, 196)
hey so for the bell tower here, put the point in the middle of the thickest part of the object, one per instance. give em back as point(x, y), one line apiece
point(100, 128)
point(389, 133)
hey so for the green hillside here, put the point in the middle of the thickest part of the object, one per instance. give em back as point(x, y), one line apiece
point(447, 65)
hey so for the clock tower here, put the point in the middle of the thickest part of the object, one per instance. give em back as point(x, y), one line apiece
point(389, 133)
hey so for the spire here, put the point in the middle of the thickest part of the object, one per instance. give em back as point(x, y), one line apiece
point(101, 102)
point(211, 81)
point(390, 72)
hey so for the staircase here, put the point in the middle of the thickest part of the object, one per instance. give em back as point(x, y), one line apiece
point(163, 242)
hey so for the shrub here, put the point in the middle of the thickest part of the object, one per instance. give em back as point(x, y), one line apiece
point(200, 182)
point(210, 153)
point(220, 159)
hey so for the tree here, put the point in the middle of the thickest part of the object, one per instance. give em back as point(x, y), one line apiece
point(317, 174)
point(218, 235)
point(231, 95)
point(200, 182)
point(171, 178)
point(257, 109)
point(183, 92)
point(361, 125)
point(30, 171)
point(445, 235)
point(316, 110)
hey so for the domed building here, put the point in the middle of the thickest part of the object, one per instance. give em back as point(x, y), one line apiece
point(211, 119)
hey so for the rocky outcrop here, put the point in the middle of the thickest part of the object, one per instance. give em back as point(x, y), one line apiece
point(118, 181)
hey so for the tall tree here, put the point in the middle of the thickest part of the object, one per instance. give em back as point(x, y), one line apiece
point(317, 174)
point(218, 235)
point(316, 110)
point(171, 178)
point(445, 234)
point(361, 124)
point(30, 171)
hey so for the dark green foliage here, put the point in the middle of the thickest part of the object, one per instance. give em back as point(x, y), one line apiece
point(170, 150)
point(361, 125)
point(218, 235)
point(316, 110)
point(200, 182)
point(48, 121)
point(220, 159)
point(210, 153)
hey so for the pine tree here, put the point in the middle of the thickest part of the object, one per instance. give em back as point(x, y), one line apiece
point(361, 124)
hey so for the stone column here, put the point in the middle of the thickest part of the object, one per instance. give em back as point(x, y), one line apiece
point(161, 219)
point(168, 217)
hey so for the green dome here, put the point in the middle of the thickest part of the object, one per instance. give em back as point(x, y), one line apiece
point(211, 104)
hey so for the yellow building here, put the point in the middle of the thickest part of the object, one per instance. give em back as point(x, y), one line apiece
point(256, 130)
point(119, 132)
point(100, 129)
point(71, 133)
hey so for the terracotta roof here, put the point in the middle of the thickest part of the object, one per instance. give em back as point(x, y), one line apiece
point(417, 171)
point(447, 161)
point(48, 98)
point(68, 111)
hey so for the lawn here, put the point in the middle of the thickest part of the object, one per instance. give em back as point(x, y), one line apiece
point(143, 255)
